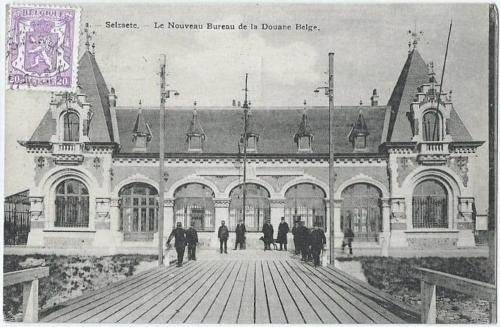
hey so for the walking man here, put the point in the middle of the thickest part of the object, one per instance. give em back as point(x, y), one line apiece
point(318, 241)
point(192, 241)
point(223, 236)
point(282, 233)
point(348, 238)
point(240, 235)
point(180, 242)
point(268, 231)
point(296, 242)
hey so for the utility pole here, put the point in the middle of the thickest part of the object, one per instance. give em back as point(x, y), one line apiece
point(331, 171)
point(245, 144)
point(163, 65)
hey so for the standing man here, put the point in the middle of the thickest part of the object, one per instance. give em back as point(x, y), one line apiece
point(348, 237)
point(282, 233)
point(318, 241)
point(268, 231)
point(296, 243)
point(180, 242)
point(192, 241)
point(240, 235)
point(223, 236)
point(303, 234)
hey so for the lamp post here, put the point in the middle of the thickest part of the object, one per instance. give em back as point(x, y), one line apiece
point(163, 177)
point(331, 173)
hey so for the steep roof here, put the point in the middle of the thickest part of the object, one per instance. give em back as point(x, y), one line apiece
point(413, 75)
point(140, 126)
point(305, 128)
point(195, 125)
point(93, 85)
point(359, 127)
point(277, 128)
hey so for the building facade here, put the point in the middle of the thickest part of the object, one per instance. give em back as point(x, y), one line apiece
point(401, 169)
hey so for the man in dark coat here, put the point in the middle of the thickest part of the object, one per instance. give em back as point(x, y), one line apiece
point(268, 231)
point(318, 241)
point(303, 237)
point(348, 237)
point(223, 235)
point(296, 243)
point(282, 233)
point(180, 242)
point(240, 235)
point(192, 241)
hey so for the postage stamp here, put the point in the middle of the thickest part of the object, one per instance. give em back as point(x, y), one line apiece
point(42, 49)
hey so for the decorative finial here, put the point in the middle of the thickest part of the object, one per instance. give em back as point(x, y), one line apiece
point(305, 102)
point(140, 103)
point(89, 34)
point(360, 102)
point(93, 48)
point(415, 37)
point(194, 104)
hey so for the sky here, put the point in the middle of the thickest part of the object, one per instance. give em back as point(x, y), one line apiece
point(370, 42)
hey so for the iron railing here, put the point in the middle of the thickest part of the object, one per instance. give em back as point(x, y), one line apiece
point(430, 212)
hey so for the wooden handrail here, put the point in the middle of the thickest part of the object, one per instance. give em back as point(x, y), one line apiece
point(29, 279)
point(26, 275)
point(429, 279)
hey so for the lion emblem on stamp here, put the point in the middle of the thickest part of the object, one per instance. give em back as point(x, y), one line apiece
point(43, 47)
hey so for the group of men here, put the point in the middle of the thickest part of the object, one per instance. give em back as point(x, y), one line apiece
point(308, 243)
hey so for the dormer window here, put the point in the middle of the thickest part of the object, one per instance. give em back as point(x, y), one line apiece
point(304, 136)
point(71, 127)
point(195, 134)
point(252, 143)
point(431, 126)
point(141, 135)
point(358, 133)
point(252, 137)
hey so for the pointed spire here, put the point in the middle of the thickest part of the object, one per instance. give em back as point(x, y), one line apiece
point(305, 129)
point(195, 128)
point(89, 34)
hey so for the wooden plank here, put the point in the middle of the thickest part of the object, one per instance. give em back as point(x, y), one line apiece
point(484, 291)
point(210, 289)
point(383, 307)
point(291, 310)
point(89, 302)
point(428, 298)
point(261, 304)
point(117, 310)
point(373, 292)
point(276, 309)
point(156, 303)
point(246, 312)
point(308, 314)
point(339, 312)
point(214, 314)
point(25, 275)
point(168, 307)
point(231, 311)
point(88, 310)
point(374, 313)
point(30, 301)
point(322, 311)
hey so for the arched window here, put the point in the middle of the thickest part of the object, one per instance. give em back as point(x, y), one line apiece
point(195, 203)
point(138, 212)
point(71, 127)
point(361, 211)
point(430, 205)
point(431, 126)
point(306, 202)
point(72, 204)
point(257, 207)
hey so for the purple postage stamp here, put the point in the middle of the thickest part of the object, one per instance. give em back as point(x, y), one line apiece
point(42, 48)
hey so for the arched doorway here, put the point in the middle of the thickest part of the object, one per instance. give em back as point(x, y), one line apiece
point(194, 202)
point(430, 205)
point(306, 202)
point(361, 211)
point(258, 208)
point(72, 204)
point(138, 212)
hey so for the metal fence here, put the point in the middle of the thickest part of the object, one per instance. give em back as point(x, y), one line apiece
point(430, 212)
point(16, 218)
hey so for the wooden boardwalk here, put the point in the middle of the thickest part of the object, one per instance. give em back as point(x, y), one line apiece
point(239, 290)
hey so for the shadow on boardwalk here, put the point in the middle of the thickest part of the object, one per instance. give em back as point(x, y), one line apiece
point(240, 287)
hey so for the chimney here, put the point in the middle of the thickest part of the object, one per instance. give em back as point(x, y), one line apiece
point(112, 98)
point(374, 98)
point(234, 103)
